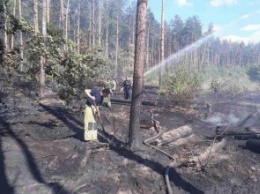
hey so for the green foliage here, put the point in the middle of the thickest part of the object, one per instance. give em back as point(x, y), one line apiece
point(254, 73)
point(16, 25)
point(181, 85)
point(78, 73)
point(73, 72)
point(228, 81)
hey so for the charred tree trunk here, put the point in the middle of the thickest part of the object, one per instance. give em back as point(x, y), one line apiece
point(138, 78)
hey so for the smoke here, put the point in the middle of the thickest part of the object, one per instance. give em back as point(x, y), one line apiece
point(220, 119)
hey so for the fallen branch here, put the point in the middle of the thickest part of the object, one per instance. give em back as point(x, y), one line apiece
point(213, 148)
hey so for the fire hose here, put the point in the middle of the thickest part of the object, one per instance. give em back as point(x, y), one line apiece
point(160, 150)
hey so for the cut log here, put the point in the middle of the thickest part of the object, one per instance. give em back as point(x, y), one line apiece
point(186, 140)
point(128, 102)
point(174, 134)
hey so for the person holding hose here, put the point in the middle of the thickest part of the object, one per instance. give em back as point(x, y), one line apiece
point(95, 98)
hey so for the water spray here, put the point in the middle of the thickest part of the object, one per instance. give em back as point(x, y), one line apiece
point(198, 43)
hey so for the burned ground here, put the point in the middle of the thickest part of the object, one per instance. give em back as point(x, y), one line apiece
point(42, 151)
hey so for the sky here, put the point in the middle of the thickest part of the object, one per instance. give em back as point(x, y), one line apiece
point(235, 20)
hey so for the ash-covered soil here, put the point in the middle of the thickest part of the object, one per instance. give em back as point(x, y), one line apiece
point(42, 151)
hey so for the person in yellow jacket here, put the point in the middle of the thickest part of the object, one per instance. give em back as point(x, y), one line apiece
point(95, 98)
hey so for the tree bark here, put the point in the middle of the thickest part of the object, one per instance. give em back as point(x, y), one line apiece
point(100, 18)
point(117, 48)
point(12, 35)
point(93, 25)
point(48, 11)
point(20, 36)
point(67, 19)
point(90, 24)
point(106, 43)
point(133, 29)
point(147, 48)
point(138, 78)
point(36, 20)
point(78, 29)
point(61, 14)
point(42, 60)
point(5, 26)
point(162, 44)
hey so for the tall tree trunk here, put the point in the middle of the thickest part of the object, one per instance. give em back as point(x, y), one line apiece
point(78, 29)
point(147, 47)
point(12, 35)
point(162, 45)
point(48, 11)
point(93, 24)
point(67, 19)
point(100, 18)
point(117, 37)
point(42, 61)
point(61, 22)
point(106, 44)
point(133, 29)
point(20, 35)
point(90, 24)
point(138, 78)
point(36, 20)
point(5, 41)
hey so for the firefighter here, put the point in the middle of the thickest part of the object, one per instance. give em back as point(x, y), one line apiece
point(127, 87)
point(95, 98)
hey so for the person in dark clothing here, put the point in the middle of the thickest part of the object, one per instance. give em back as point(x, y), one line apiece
point(127, 87)
point(94, 99)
